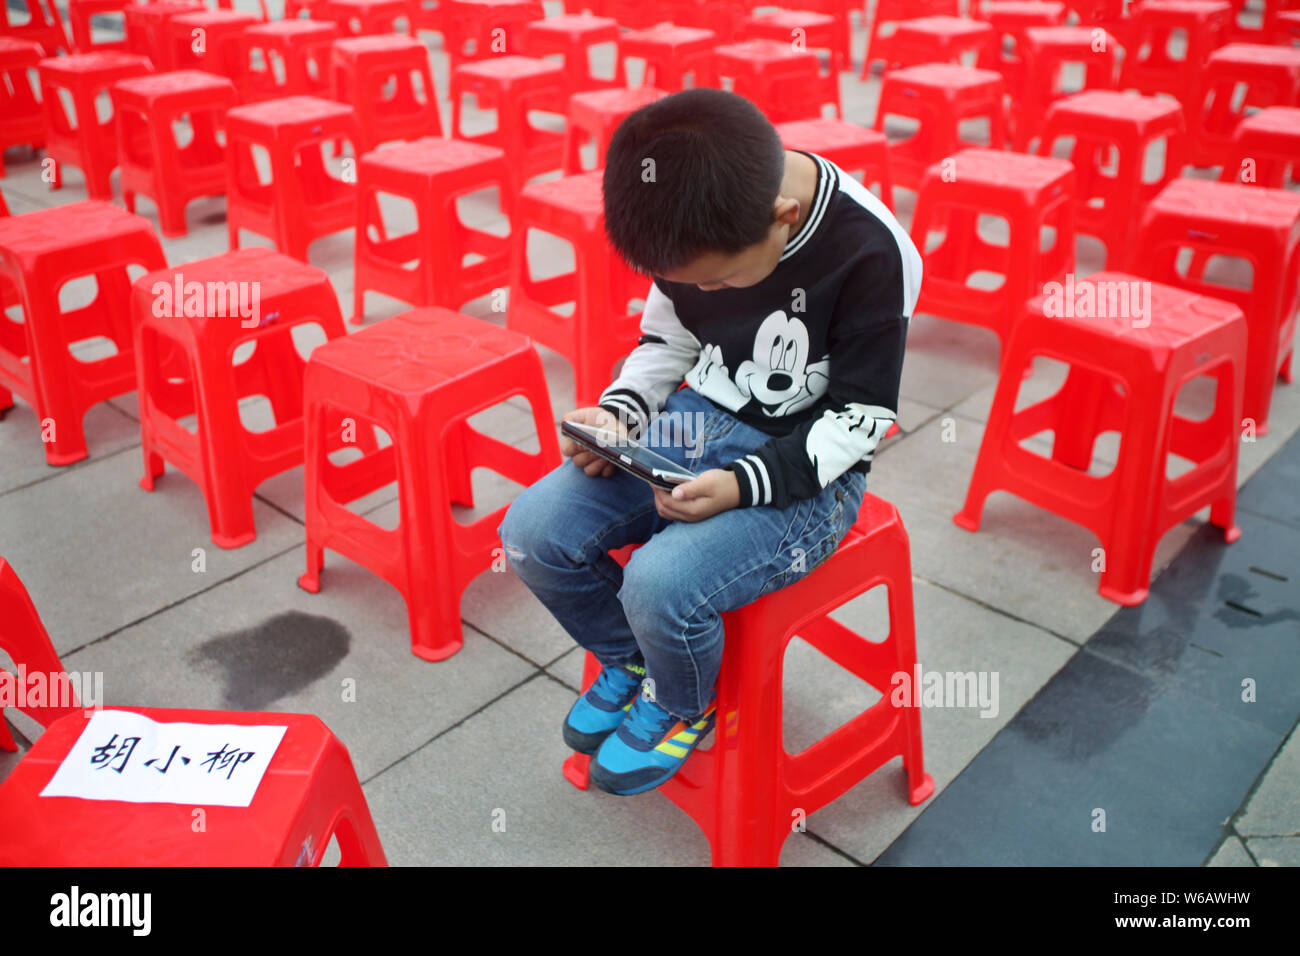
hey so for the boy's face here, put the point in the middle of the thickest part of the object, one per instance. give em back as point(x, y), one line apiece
point(717, 270)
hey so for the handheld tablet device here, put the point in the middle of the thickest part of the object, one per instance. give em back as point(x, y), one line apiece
point(649, 466)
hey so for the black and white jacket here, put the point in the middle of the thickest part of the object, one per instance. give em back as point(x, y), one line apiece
point(812, 354)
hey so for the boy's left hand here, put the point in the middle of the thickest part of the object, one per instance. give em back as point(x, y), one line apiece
point(702, 497)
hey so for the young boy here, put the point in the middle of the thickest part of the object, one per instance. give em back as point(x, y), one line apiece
point(781, 296)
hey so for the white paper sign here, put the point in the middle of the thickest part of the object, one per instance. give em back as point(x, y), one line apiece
point(126, 756)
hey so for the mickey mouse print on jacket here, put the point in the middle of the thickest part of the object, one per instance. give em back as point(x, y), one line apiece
point(812, 355)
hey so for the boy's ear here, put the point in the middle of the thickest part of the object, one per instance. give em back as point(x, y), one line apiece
point(785, 209)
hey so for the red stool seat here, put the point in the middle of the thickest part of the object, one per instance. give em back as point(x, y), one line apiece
point(745, 790)
point(432, 174)
point(302, 47)
point(24, 123)
point(1271, 75)
point(39, 253)
point(479, 29)
point(847, 145)
point(940, 96)
point(1048, 52)
point(1152, 69)
point(573, 35)
point(43, 25)
point(419, 376)
point(1130, 508)
point(1010, 19)
point(1029, 193)
point(219, 29)
point(154, 164)
point(600, 330)
point(891, 13)
point(1108, 204)
point(597, 113)
point(357, 18)
point(940, 39)
point(804, 29)
point(670, 53)
point(1266, 144)
point(90, 145)
point(80, 13)
point(302, 201)
point(309, 794)
point(785, 83)
point(723, 18)
point(148, 33)
point(1253, 223)
point(362, 69)
point(513, 85)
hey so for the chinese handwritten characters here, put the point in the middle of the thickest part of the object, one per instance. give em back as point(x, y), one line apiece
point(124, 756)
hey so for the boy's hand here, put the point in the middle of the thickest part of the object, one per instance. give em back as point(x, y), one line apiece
point(590, 462)
point(703, 497)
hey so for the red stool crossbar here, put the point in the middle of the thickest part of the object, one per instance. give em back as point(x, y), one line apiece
point(670, 53)
point(1150, 67)
point(1108, 205)
point(1266, 144)
point(1029, 193)
point(847, 145)
point(302, 201)
point(940, 39)
point(480, 29)
point(79, 16)
point(1047, 53)
point(572, 36)
point(785, 83)
point(595, 115)
point(148, 32)
point(419, 376)
point(1259, 225)
point(432, 174)
point(209, 40)
point(183, 367)
point(1271, 75)
point(743, 791)
point(1129, 509)
point(154, 164)
point(302, 49)
point(24, 123)
point(309, 794)
point(28, 645)
point(357, 18)
point(81, 139)
point(361, 68)
point(39, 253)
point(601, 329)
point(44, 25)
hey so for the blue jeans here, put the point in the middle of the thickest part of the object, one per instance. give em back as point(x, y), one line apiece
point(664, 608)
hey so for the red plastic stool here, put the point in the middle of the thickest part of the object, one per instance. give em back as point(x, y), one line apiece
point(1047, 51)
point(847, 145)
point(309, 794)
point(24, 123)
point(1271, 75)
point(44, 25)
point(25, 640)
point(513, 85)
point(1097, 12)
point(1108, 205)
point(745, 790)
point(153, 163)
point(724, 18)
point(895, 11)
point(1286, 28)
point(573, 36)
point(786, 84)
point(600, 330)
point(1130, 508)
point(940, 39)
point(670, 53)
point(79, 15)
point(419, 376)
point(595, 115)
point(39, 253)
point(302, 49)
point(1253, 223)
point(361, 70)
point(357, 18)
point(432, 174)
point(81, 139)
point(1010, 19)
point(1263, 28)
point(148, 33)
point(803, 29)
point(632, 14)
point(294, 9)
point(1149, 67)
point(183, 365)
point(940, 96)
point(219, 31)
point(1270, 142)
point(302, 202)
point(480, 29)
point(1030, 193)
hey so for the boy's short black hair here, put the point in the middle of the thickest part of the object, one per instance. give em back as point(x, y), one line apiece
point(690, 174)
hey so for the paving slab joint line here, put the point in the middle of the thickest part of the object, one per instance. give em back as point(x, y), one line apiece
point(1002, 612)
point(56, 470)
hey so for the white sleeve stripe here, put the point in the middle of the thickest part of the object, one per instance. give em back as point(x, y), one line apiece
point(743, 465)
point(761, 469)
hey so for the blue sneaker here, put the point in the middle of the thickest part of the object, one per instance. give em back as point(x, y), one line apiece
point(649, 746)
point(600, 710)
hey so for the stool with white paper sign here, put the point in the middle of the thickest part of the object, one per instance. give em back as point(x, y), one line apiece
point(307, 793)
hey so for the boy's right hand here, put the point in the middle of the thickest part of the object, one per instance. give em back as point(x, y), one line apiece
point(590, 462)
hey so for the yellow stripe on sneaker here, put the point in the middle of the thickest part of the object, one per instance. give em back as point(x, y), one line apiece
point(672, 749)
